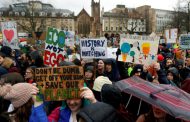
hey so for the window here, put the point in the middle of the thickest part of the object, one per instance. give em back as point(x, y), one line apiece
point(116, 28)
point(111, 28)
point(17, 13)
point(106, 28)
point(120, 28)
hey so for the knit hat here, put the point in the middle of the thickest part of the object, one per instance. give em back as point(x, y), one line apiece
point(137, 68)
point(160, 57)
point(173, 70)
point(99, 82)
point(19, 94)
point(89, 69)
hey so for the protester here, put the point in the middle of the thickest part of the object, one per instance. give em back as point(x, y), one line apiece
point(89, 76)
point(111, 70)
point(67, 112)
point(111, 95)
point(100, 68)
point(29, 75)
point(98, 83)
point(156, 115)
point(98, 112)
point(20, 96)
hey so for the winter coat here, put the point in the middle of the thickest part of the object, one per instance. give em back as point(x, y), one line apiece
point(98, 112)
point(57, 115)
point(38, 114)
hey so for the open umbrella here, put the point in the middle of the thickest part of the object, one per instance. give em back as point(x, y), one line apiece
point(171, 99)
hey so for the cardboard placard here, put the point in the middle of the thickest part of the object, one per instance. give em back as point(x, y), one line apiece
point(54, 47)
point(10, 37)
point(60, 83)
point(93, 48)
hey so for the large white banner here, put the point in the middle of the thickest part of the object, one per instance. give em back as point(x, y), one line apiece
point(10, 37)
point(93, 48)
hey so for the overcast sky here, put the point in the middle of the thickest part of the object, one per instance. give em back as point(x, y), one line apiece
point(77, 5)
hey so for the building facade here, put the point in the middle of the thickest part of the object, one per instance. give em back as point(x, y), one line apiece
point(157, 20)
point(34, 16)
point(123, 20)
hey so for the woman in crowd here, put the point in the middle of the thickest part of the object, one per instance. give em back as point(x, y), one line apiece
point(156, 115)
point(111, 70)
point(29, 75)
point(100, 68)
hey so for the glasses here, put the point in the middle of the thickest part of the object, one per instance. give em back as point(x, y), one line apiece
point(28, 72)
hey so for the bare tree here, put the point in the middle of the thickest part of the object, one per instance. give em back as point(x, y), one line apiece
point(27, 14)
point(181, 16)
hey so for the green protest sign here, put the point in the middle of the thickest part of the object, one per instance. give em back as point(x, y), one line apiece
point(60, 83)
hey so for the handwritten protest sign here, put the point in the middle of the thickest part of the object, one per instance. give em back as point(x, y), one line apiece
point(59, 83)
point(93, 48)
point(184, 41)
point(138, 49)
point(112, 52)
point(55, 42)
point(10, 37)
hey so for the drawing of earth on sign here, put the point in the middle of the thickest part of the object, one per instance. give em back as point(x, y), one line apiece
point(9, 34)
point(125, 48)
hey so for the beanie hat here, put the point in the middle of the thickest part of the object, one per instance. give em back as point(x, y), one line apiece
point(173, 70)
point(99, 82)
point(137, 68)
point(160, 57)
point(7, 51)
point(89, 69)
point(19, 94)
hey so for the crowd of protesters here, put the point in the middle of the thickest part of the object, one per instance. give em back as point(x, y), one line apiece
point(101, 100)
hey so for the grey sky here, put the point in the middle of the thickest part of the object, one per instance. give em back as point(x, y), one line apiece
point(77, 5)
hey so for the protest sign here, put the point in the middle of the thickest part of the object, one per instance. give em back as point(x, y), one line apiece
point(171, 35)
point(184, 41)
point(10, 37)
point(54, 47)
point(138, 49)
point(59, 83)
point(112, 52)
point(93, 48)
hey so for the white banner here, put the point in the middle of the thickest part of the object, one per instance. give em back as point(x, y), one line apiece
point(93, 48)
point(10, 37)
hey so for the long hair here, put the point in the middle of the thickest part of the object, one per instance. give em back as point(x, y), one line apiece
point(23, 113)
point(149, 117)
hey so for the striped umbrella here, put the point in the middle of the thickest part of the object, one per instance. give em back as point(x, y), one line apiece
point(172, 100)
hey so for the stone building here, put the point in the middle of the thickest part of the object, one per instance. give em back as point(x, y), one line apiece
point(123, 20)
point(89, 26)
point(35, 16)
point(157, 20)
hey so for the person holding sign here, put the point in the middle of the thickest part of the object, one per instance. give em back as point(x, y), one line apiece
point(67, 112)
